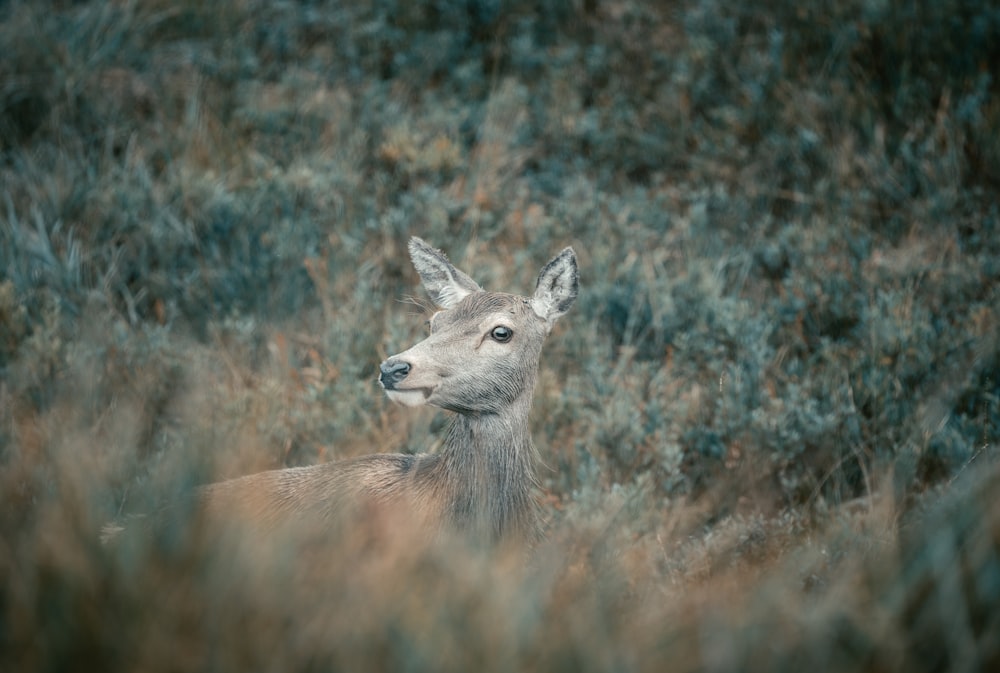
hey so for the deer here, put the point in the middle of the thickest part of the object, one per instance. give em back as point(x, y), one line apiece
point(480, 361)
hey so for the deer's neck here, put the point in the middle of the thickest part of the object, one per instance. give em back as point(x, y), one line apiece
point(488, 465)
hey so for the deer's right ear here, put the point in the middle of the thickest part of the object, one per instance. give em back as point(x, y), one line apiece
point(446, 284)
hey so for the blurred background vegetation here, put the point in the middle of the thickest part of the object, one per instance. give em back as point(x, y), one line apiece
point(785, 348)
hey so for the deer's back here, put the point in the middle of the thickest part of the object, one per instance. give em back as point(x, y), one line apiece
point(325, 493)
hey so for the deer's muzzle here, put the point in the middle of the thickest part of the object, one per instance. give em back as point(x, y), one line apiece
point(391, 372)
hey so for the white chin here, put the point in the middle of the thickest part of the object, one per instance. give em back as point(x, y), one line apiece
point(408, 398)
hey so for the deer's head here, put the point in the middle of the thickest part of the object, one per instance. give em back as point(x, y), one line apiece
point(483, 349)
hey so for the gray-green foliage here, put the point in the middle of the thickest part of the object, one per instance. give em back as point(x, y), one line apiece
point(797, 241)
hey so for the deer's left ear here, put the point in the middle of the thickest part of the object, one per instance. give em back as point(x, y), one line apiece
point(557, 287)
point(446, 284)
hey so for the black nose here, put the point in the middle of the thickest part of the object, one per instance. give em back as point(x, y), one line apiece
point(392, 372)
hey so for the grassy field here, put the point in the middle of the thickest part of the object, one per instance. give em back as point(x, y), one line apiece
point(769, 425)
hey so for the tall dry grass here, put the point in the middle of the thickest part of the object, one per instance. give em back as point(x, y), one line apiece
point(874, 584)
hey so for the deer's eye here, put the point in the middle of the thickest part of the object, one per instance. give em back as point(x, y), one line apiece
point(501, 334)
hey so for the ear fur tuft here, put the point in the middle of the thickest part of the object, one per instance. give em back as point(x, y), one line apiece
point(557, 287)
point(446, 284)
